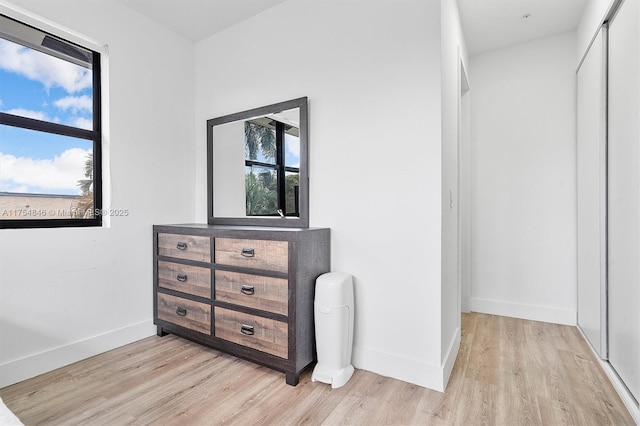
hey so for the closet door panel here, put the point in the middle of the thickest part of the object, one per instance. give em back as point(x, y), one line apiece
point(591, 178)
point(624, 195)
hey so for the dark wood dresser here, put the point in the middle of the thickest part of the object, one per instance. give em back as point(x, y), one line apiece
point(247, 291)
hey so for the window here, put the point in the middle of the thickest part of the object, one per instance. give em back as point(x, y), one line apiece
point(50, 130)
point(272, 167)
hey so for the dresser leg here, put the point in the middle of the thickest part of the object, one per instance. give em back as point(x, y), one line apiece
point(292, 379)
point(161, 332)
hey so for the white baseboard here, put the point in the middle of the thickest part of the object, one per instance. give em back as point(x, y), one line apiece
point(627, 399)
point(406, 369)
point(621, 389)
point(30, 366)
point(524, 311)
point(450, 358)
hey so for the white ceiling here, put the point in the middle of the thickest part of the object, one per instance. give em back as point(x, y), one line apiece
point(487, 24)
point(492, 24)
point(198, 19)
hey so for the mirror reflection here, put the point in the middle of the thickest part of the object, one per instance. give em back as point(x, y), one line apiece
point(272, 164)
point(257, 165)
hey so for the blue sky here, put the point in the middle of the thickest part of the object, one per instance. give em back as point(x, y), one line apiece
point(36, 85)
point(292, 150)
point(291, 153)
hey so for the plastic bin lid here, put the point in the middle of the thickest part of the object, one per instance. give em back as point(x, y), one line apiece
point(334, 289)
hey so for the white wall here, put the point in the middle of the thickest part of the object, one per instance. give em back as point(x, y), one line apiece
point(453, 51)
point(229, 174)
point(591, 20)
point(595, 13)
point(465, 197)
point(371, 71)
point(623, 207)
point(523, 181)
point(591, 204)
point(67, 294)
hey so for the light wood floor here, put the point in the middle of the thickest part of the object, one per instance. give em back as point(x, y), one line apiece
point(508, 372)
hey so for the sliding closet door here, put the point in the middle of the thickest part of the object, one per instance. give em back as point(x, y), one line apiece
point(591, 178)
point(624, 195)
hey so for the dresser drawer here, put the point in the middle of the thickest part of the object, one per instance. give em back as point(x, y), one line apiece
point(184, 312)
point(258, 254)
point(255, 332)
point(185, 278)
point(189, 247)
point(254, 291)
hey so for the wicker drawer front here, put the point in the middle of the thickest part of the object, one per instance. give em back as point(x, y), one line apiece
point(254, 291)
point(184, 312)
point(255, 332)
point(258, 254)
point(185, 278)
point(180, 246)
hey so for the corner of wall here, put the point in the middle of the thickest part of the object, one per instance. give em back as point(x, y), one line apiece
point(33, 365)
point(525, 311)
point(594, 14)
point(450, 357)
point(410, 370)
point(452, 52)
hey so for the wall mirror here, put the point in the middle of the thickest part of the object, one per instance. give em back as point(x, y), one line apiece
point(258, 166)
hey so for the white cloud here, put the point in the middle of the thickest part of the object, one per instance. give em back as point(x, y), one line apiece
point(75, 103)
point(80, 122)
point(83, 123)
point(48, 70)
point(17, 189)
point(59, 173)
point(29, 113)
point(38, 115)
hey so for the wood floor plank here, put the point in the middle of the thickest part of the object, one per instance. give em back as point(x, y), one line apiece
point(483, 364)
point(354, 406)
point(399, 406)
point(507, 371)
point(320, 401)
point(593, 391)
point(516, 389)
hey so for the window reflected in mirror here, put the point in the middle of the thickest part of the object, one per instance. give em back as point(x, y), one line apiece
point(272, 167)
point(258, 166)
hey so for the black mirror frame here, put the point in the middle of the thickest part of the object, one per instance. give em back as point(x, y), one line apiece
point(301, 221)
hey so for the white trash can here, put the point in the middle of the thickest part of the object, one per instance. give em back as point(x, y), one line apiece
point(333, 314)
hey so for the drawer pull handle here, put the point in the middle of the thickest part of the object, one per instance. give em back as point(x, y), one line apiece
point(182, 277)
point(181, 311)
point(247, 329)
point(248, 289)
point(181, 246)
point(247, 252)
